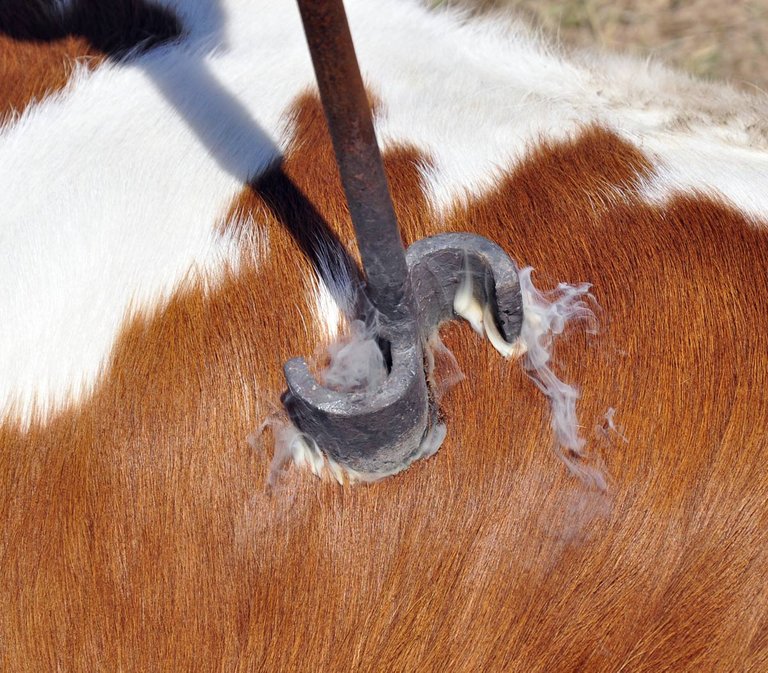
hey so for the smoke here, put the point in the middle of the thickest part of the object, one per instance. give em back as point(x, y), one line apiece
point(291, 445)
point(610, 427)
point(356, 362)
point(443, 370)
point(545, 316)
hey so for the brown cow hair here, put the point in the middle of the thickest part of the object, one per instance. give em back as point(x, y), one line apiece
point(138, 534)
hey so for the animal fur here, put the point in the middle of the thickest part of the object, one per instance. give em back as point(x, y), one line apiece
point(174, 229)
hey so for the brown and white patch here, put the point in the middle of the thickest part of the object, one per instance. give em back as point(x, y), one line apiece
point(139, 535)
point(41, 41)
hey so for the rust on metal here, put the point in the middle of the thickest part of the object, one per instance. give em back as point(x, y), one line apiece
point(357, 153)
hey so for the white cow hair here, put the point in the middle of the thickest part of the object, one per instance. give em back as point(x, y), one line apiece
point(111, 190)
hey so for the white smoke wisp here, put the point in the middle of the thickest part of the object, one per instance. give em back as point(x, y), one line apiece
point(291, 446)
point(609, 427)
point(545, 316)
point(356, 362)
point(443, 371)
